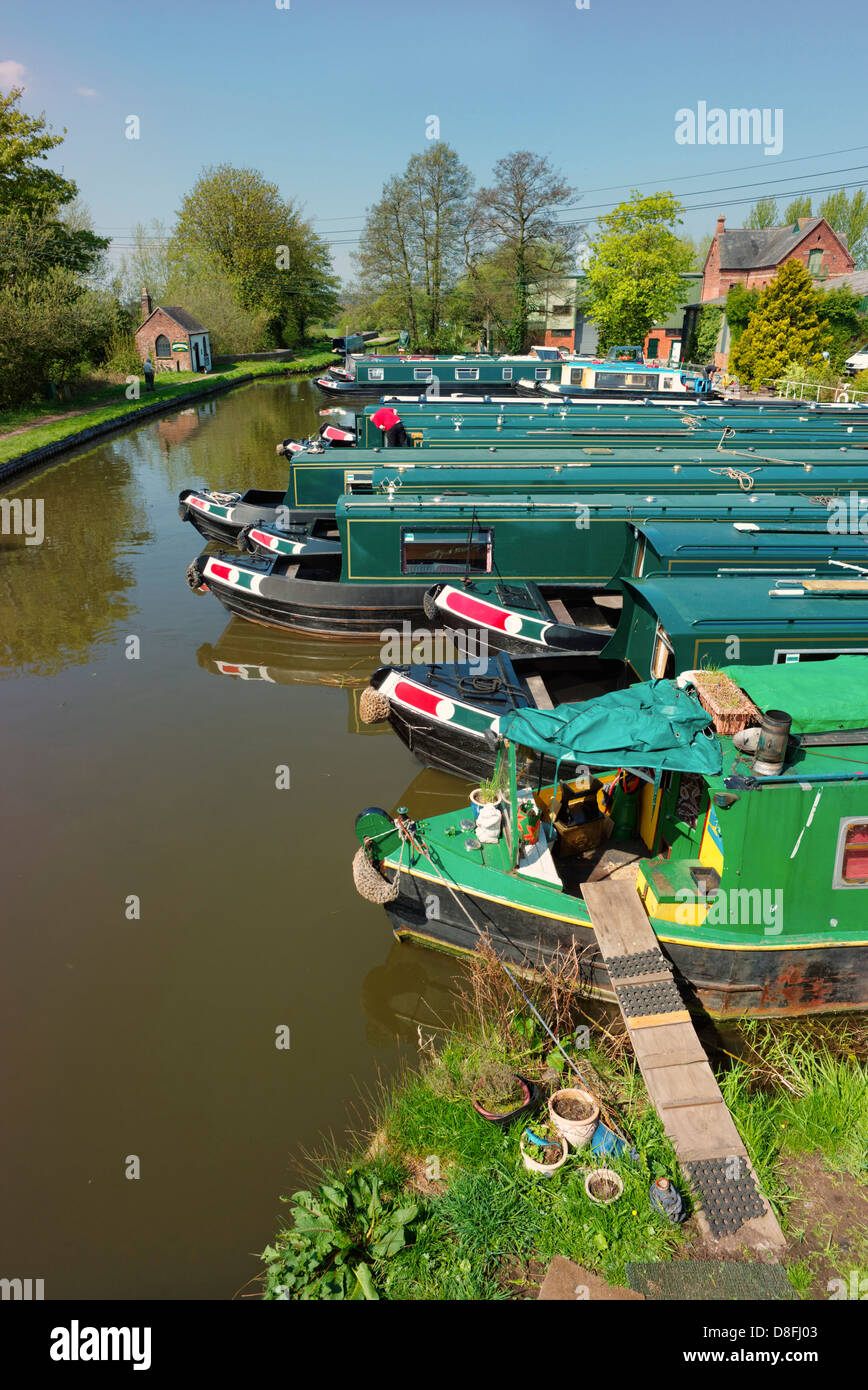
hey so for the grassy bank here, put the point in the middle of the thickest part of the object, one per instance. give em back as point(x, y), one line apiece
point(434, 1203)
point(44, 422)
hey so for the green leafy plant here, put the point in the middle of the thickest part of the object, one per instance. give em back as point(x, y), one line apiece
point(342, 1234)
point(488, 789)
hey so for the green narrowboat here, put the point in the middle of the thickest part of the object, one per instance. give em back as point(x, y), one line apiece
point(681, 623)
point(471, 374)
point(753, 871)
point(393, 548)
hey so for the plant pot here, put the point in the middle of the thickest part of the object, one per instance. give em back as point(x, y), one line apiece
point(530, 1092)
point(578, 1132)
point(534, 1165)
point(476, 802)
point(602, 1177)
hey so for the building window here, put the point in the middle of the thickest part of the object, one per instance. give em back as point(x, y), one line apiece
point(561, 309)
point(815, 262)
point(162, 347)
point(851, 860)
point(453, 551)
point(653, 347)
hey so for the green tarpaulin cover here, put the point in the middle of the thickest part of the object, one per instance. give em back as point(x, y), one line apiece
point(652, 725)
point(818, 695)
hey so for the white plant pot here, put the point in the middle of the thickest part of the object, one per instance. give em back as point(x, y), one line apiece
point(578, 1132)
point(533, 1165)
point(610, 1176)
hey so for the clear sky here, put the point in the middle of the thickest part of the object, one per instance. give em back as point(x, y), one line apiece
point(330, 97)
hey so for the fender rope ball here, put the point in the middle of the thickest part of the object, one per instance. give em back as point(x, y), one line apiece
point(369, 881)
point(194, 578)
point(373, 707)
point(430, 607)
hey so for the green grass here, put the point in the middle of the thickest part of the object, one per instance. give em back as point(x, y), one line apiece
point(798, 1095)
point(110, 403)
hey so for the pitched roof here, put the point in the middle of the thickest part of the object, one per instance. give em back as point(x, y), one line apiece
point(182, 317)
point(748, 248)
point(855, 280)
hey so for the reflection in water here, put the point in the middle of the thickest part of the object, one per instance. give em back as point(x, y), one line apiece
point(154, 1034)
point(414, 988)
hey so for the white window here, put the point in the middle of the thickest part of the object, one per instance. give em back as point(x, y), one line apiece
point(542, 373)
point(375, 374)
point(507, 372)
point(851, 858)
point(423, 374)
point(466, 373)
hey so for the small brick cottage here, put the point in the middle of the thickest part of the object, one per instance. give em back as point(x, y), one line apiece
point(173, 339)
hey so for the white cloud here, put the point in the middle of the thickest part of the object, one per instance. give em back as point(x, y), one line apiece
point(87, 91)
point(12, 74)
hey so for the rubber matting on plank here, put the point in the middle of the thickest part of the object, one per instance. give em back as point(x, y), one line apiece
point(726, 1201)
point(642, 963)
point(661, 997)
point(701, 1280)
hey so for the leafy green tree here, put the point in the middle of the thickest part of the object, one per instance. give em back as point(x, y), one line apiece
point(25, 142)
point(764, 213)
point(235, 223)
point(841, 312)
point(784, 328)
point(849, 218)
point(52, 326)
point(799, 207)
point(740, 304)
point(635, 268)
point(519, 212)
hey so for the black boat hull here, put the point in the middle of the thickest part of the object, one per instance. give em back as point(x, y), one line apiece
point(769, 981)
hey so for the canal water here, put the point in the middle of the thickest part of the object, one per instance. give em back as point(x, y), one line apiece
point(169, 912)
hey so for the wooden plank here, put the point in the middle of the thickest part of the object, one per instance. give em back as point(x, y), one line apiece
point(561, 611)
point(654, 1061)
point(656, 977)
point(694, 1082)
point(541, 697)
point(657, 1020)
point(675, 1041)
point(834, 586)
point(619, 919)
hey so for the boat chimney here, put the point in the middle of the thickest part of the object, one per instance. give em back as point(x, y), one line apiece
point(771, 749)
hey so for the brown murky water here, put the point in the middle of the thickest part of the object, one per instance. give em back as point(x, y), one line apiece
point(155, 777)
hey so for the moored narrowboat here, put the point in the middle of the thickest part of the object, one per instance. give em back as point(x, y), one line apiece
point(748, 849)
point(471, 374)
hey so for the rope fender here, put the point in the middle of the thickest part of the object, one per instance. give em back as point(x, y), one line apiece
point(195, 577)
point(373, 706)
point(369, 882)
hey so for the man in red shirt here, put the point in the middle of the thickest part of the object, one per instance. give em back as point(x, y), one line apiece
point(394, 434)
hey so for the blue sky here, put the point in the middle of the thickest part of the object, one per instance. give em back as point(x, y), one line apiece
point(330, 97)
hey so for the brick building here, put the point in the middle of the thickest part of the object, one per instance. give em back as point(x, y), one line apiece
point(173, 339)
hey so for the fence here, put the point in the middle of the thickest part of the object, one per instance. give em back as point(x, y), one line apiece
point(812, 391)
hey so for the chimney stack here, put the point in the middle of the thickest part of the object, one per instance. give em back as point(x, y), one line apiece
point(721, 224)
point(146, 305)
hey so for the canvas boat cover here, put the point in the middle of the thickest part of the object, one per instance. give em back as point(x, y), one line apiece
point(651, 725)
point(819, 696)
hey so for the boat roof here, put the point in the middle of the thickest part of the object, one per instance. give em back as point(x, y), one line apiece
point(675, 540)
point(819, 696)
point(623, 506)
point(743, 460)
point(742, 603)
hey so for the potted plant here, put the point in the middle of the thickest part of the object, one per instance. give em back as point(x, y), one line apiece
point(543, 1150)
point(486, 794)
point(501, 1096)
point(574, 1114)
point(484, 799)
point(603, 1185)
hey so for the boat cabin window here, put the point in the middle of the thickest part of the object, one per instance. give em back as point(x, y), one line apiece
point(851, 861)
point(663, 658)
point(423, 374)
point(507, 373)
point(375, 373)
point(452, 551)
point(466, 373)
point(542, 373)
point(576, 376)
point(787, 655)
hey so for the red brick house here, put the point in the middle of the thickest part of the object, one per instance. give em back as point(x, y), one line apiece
point(173, 339)
point(752, 256)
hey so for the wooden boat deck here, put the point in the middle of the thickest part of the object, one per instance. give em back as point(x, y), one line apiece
point(678, 1076)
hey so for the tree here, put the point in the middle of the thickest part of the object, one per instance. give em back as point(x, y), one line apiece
point(635, 268)
point(840, 311)
point(410, 251)
point(518, 212)
point(740, 304)
point(784, 328)
point(799, 207)
point(849, 218)
point(25, 142)
point(235, 223)
point(52, 325)
point(764, 213)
